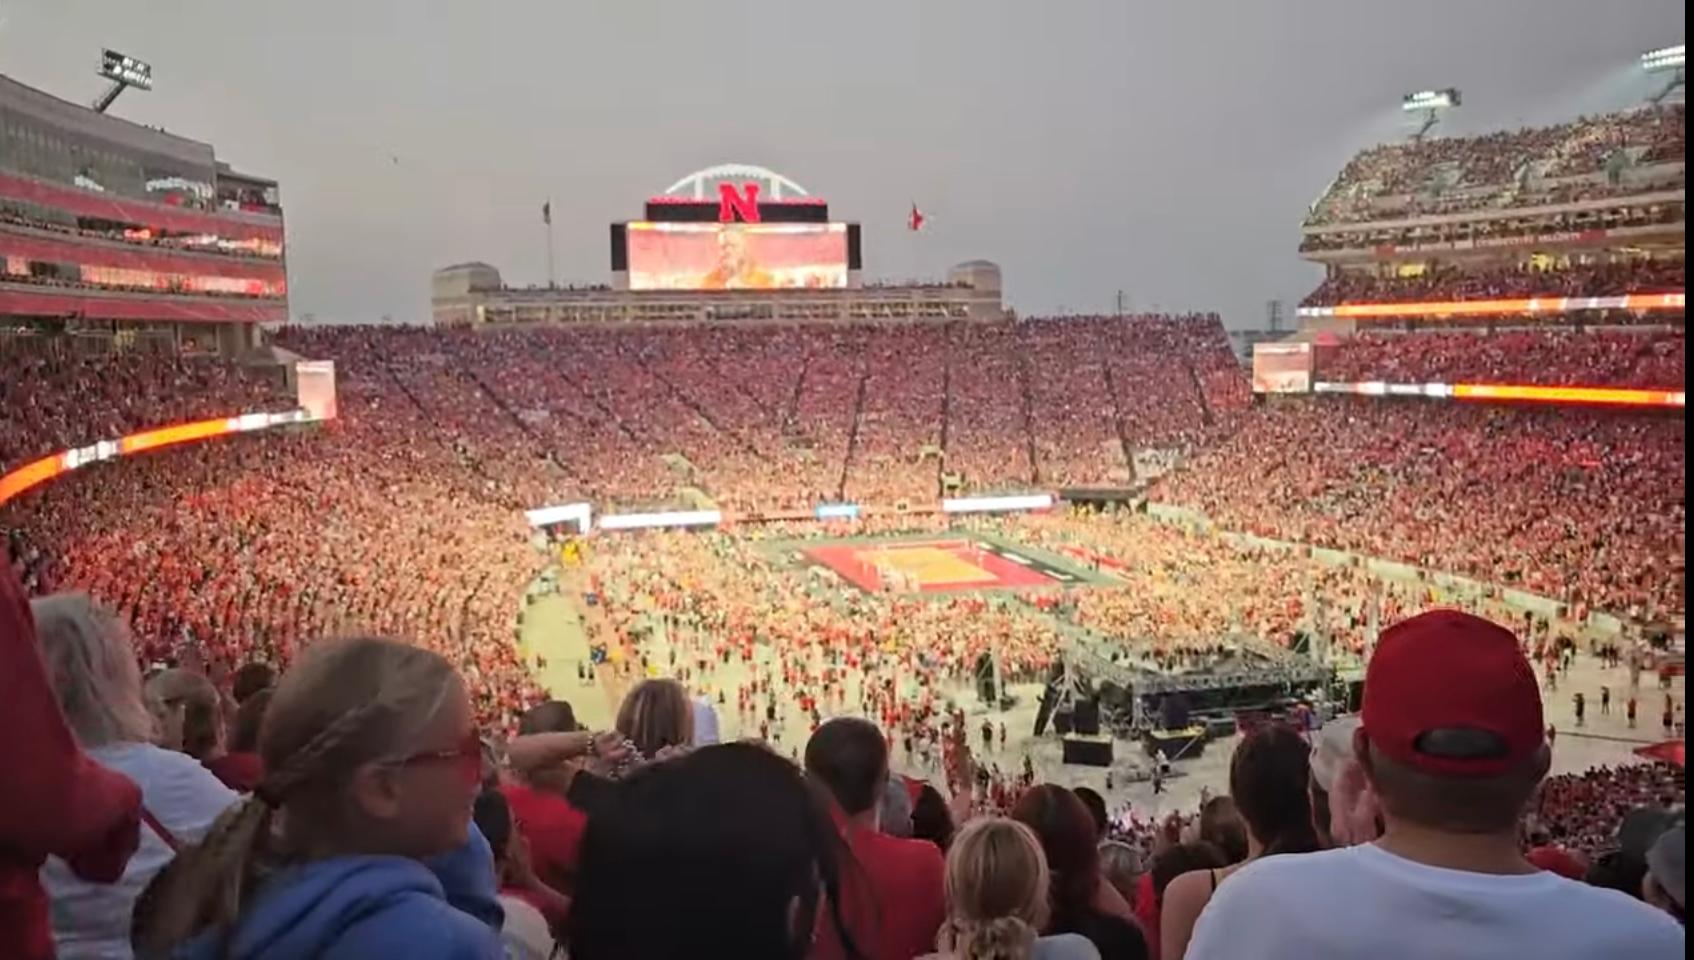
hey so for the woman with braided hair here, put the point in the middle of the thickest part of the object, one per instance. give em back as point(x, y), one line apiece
point(997, 898)
point(358, 841)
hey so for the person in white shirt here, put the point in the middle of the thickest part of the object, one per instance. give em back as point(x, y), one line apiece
point(98, 684)
point(1452, 743)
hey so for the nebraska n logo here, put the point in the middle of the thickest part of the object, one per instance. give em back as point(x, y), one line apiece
point(736, 206)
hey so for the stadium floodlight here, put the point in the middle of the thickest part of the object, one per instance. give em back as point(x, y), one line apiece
point(1665, 60)
point(1430, 100)
point(1662, 59)
point(124, 72)
point(1430, 103)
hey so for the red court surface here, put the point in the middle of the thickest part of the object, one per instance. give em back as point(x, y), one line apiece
point(926, 566)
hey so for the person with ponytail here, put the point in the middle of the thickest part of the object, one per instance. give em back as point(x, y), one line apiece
point(97, 682)
point(997, 890)
point(1269, 777)
point(1081, 899)
point(358, 842)
point(190, 714)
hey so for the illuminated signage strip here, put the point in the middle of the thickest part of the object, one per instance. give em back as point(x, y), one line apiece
point(578, 513)
point(1470, 308)
point(675, 518)
point(1615, 396)
point(40, 471)
point(1032, 501)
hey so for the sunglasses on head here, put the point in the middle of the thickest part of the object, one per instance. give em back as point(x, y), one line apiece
point(468, 754)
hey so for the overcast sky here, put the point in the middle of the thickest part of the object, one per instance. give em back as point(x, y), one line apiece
point(1166, 148)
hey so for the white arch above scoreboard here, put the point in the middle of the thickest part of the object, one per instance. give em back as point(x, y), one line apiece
point(695, 183)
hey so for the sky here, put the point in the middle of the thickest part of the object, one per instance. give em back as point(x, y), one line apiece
point(1163, 148)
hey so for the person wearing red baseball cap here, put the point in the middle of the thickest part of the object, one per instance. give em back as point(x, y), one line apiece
point(1451, 742)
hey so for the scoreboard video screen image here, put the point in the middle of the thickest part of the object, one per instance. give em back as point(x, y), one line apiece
point(1282, 368)
point(737, 256)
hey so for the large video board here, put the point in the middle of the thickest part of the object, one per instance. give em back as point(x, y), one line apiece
point(1282, 367)
point(737, 256)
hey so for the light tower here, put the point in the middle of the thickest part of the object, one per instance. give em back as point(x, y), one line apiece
point(124, 72)
point(1665, 60)
point(1430, 103)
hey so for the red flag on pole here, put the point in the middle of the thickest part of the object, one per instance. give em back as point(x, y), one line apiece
point(915, 221)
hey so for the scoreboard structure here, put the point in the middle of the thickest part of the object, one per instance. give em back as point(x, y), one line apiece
point(735, 227)
point(729, 244)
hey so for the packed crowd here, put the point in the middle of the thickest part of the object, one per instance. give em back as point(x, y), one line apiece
point(1581, 812)
point(354, 806)
point(1608, 358)
point(1480, 169)
point(247, 548)
point(1585, 506)
point(762, 419)
point(57, 399)
point(1443, 283)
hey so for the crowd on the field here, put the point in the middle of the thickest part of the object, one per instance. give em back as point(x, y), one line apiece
point(1597, 358)
point(1439, 283)
point(1448, 174)
point(1585, 506)
point(354, 804)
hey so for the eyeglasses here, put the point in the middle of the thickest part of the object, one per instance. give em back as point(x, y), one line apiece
point(468, 754)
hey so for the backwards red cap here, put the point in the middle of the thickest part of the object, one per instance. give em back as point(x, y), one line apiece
point(1443, 671)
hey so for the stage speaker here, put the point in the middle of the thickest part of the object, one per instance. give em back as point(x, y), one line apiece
point(1062, 722)
point(1049, 698)
point(1088, 751)
point(1086, 718)
point(1173, 711)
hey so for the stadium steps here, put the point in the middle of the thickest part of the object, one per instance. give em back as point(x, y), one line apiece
point(523, 426)
point(1125, 450)
point(471, 463)
point(1206, 415)
point(1027, 403)
point(700, 411)
point(853, 432)
point(792, 411)
point(946, 410)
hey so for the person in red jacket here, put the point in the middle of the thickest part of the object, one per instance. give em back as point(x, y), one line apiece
point(893, 895)
point(57, 801)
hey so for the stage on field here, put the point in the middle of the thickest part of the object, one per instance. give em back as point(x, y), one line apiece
point(932, 566)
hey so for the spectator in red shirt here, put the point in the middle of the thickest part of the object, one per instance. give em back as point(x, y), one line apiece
point(895, 899)
point(66, 805)
point(241, 768)
point(546, 819)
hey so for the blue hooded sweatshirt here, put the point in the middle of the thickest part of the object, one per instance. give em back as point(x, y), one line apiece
point(366, 908)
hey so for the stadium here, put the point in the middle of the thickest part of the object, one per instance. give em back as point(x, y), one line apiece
point(1093, 550)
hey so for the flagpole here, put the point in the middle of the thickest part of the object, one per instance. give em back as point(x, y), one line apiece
point(549, 218)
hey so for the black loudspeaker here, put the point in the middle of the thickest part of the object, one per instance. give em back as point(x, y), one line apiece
point(1086, 720)
point(1355, 696)
point(1049, 698)
point(1062, 722)
point(620, 247)
point(855, 250)
point(985, 678)
point(1089, 751)
point(1173, 712)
